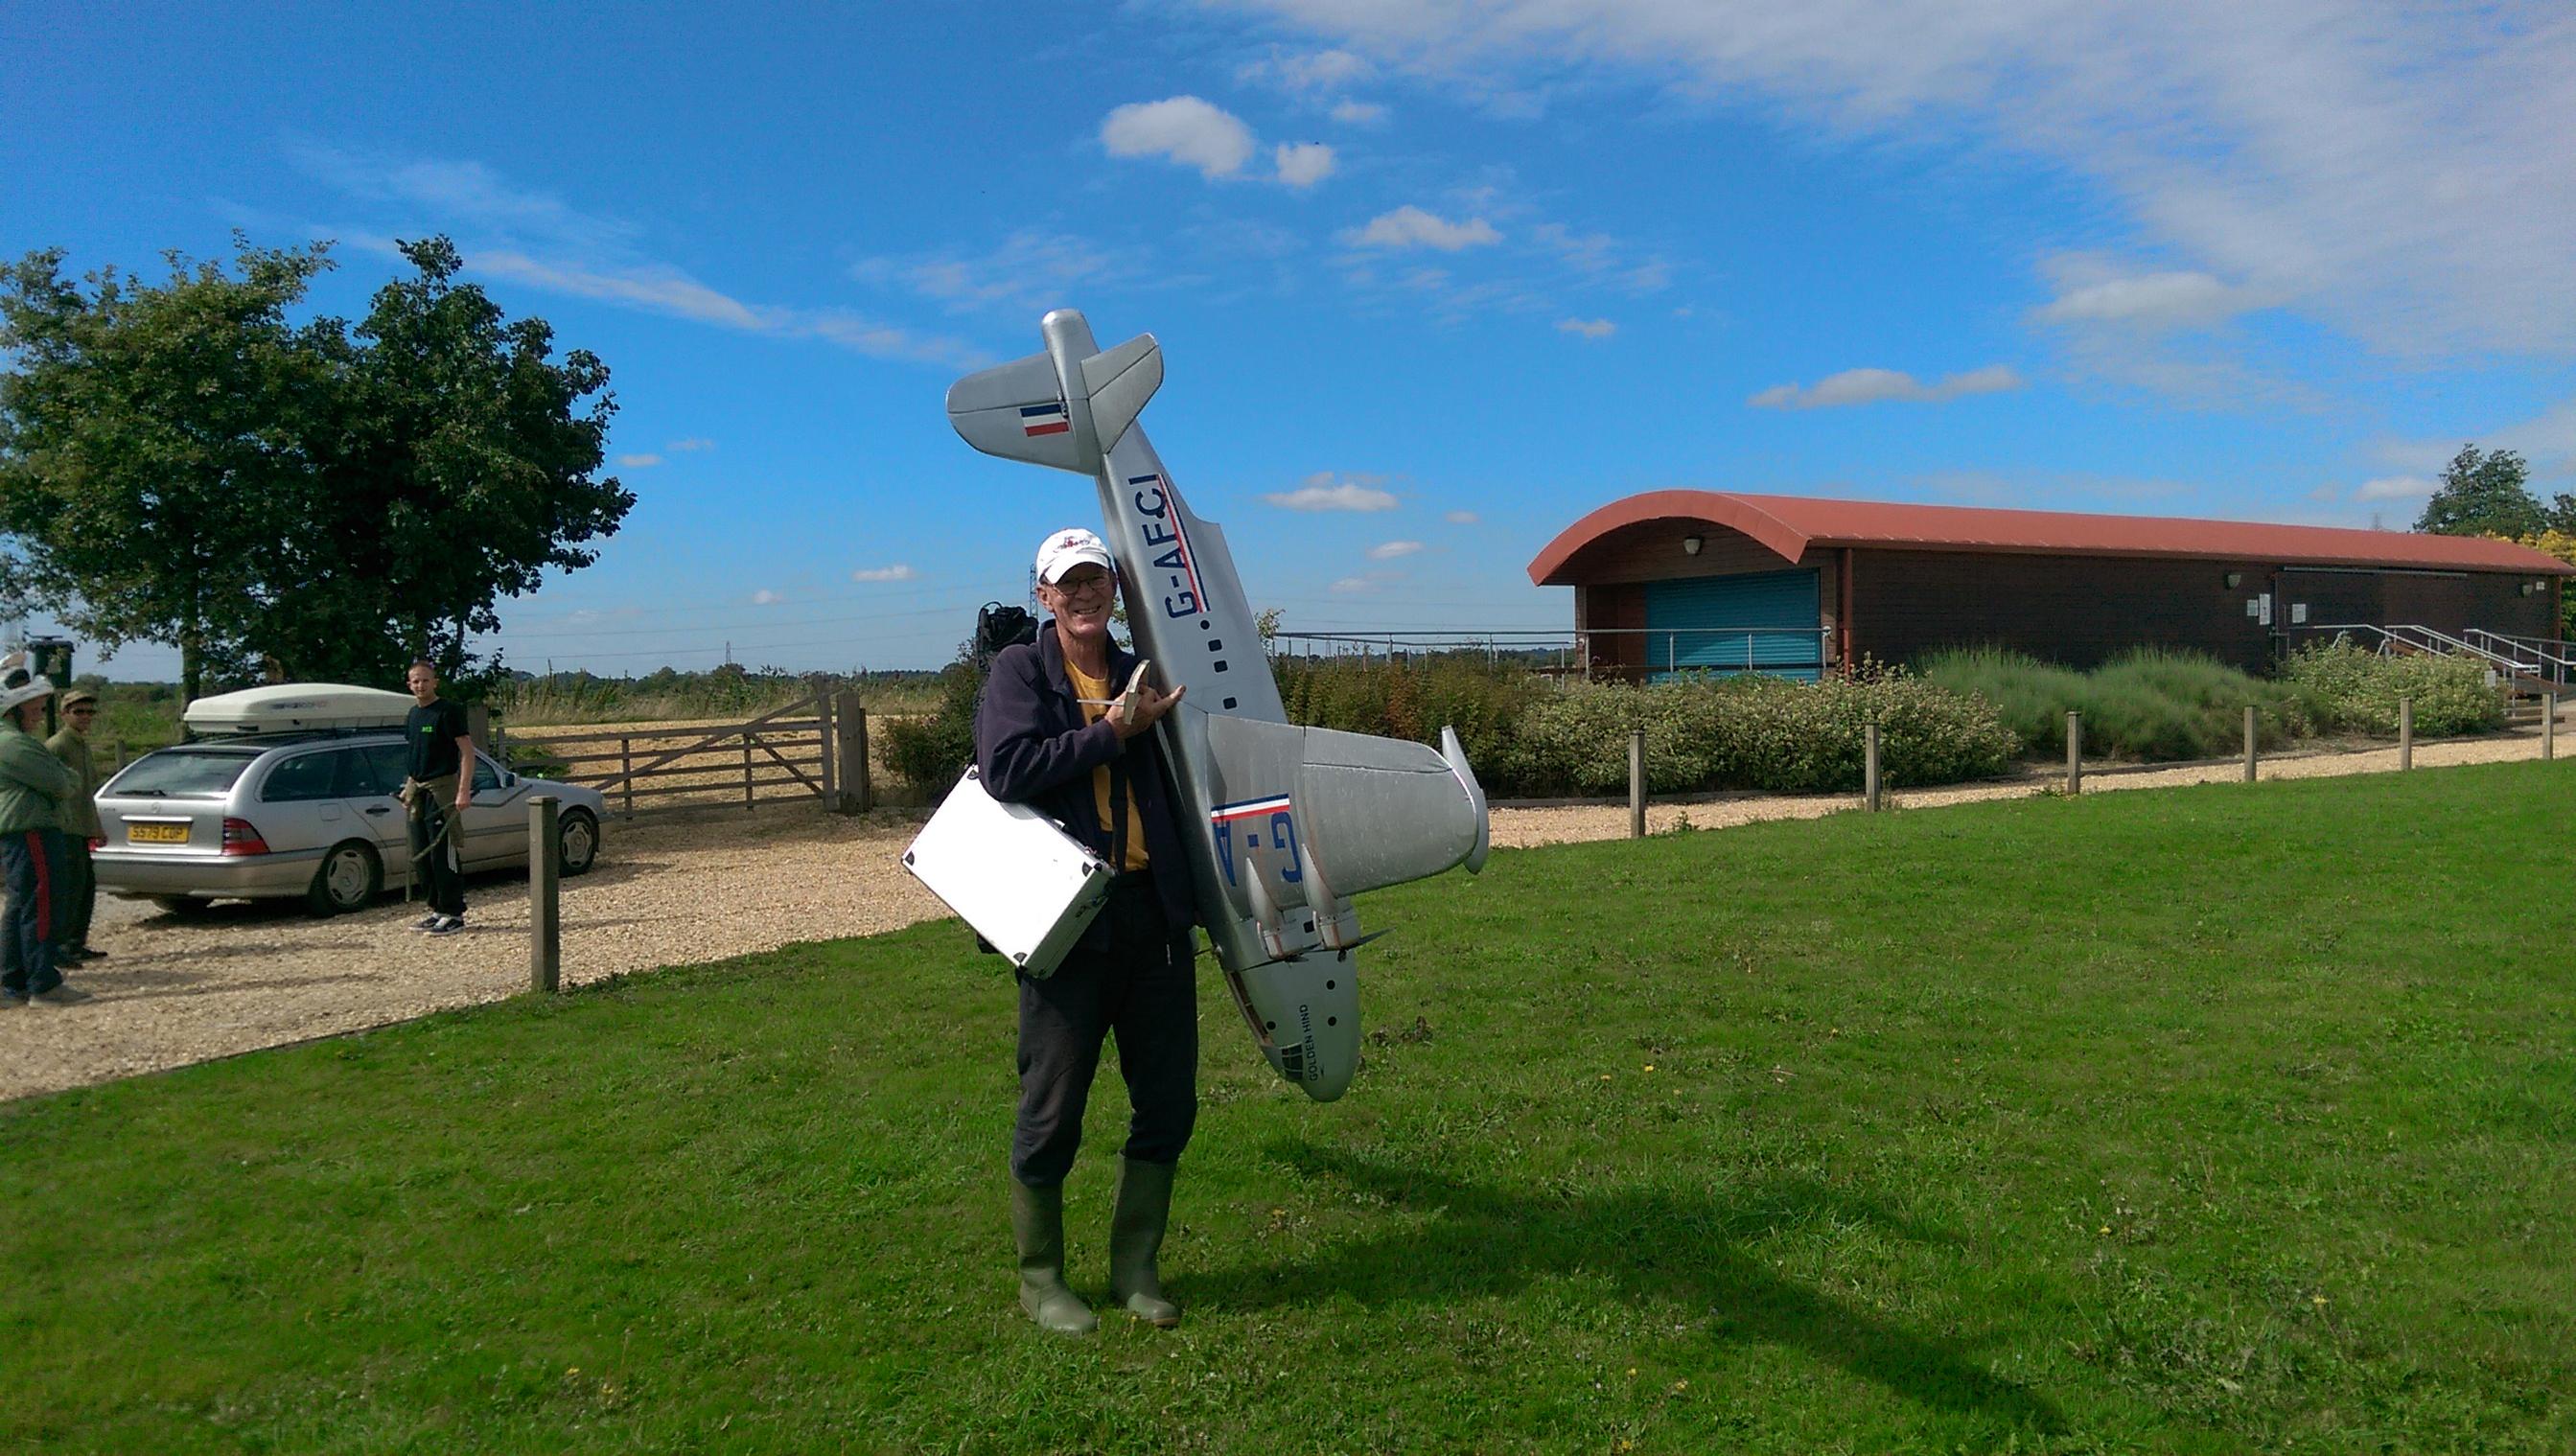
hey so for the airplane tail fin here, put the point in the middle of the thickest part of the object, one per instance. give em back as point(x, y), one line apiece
point(1024, 411)
point(1119, 382)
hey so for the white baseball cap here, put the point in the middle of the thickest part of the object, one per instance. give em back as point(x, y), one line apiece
point(1069, 548)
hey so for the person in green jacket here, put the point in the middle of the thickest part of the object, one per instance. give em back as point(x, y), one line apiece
point(33, 784)
point(80, 828)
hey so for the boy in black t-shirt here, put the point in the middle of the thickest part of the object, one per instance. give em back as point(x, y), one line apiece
point(439, 786)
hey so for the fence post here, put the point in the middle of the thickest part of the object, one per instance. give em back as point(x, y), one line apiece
point(626, 767)
point(2405, 733)
point(1869, 768)
point(823, 740)
point(746, 771)
point(1637, 784)
point(850, 725)
point(478, 725)
point(2549, 728)
point(2074, 751)
point(545, 880)
point(2249, 743)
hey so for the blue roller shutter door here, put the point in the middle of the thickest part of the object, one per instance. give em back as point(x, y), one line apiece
point(1713, 624)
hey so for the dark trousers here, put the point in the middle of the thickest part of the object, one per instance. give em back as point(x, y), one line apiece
point(439, 871)
point(29, 868)
point(1144, 989)
point(80, 892)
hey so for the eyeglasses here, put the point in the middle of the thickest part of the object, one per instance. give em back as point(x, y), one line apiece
point(1090, 584)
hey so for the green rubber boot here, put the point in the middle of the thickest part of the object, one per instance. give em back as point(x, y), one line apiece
point(1037, 1225)
point(1136, 1236)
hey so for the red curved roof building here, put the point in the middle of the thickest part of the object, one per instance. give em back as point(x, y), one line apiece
point(1721, 580)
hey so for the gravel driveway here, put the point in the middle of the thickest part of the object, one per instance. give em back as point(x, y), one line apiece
point(703, 886)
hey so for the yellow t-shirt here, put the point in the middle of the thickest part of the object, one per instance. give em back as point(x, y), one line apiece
point(1088, 687)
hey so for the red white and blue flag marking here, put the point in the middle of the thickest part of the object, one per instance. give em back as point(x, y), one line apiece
point(1248, 808)
point(1043, 419)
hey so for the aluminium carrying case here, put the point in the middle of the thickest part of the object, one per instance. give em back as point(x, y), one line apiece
point(1027, 887)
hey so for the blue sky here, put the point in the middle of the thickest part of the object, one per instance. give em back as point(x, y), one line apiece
point(1432, 280)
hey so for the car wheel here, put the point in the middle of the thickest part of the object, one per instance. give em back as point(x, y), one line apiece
point(347, 880)
point(184, 907)
point(578, 837)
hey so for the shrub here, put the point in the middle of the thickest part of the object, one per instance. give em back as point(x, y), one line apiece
point(1412, 700)
point(933, 750)
point(2356, 690)
point(1754, 732)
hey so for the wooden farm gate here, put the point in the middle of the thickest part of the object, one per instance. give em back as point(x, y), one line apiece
point(814, 750)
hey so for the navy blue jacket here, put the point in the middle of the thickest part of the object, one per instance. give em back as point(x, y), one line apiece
point(1032, 747)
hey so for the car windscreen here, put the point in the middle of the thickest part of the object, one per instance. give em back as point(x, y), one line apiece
point(182, 773)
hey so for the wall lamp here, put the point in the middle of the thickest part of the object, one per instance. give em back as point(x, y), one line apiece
point(1691, 545)
point(2235, 579)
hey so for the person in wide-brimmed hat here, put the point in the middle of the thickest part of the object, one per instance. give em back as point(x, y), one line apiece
point(33, 785)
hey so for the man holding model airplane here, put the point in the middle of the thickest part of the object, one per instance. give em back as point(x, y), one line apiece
point(1055, 733)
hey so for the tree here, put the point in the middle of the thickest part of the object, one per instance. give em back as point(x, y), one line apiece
point(180, 464)
point(2560, 541)
point(465, 469)
point(147, 433)
point(2484, 494)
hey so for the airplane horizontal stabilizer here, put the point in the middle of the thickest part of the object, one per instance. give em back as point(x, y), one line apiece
point(1017, 411)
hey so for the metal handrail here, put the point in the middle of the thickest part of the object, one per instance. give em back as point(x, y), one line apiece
point(2557, 667)
point(1576, 643)
point(2433, 639)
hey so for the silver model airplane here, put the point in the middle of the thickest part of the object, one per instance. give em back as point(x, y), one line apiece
point(1292, 821)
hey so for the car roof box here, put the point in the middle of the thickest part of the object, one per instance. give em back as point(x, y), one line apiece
point(297, 707)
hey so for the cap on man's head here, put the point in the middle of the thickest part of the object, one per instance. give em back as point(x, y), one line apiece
point(1067, 549)
point(78, 696)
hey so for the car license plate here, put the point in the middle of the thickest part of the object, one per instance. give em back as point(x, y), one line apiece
point(156, 833)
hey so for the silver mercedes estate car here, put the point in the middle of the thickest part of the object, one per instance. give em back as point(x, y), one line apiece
point(309, 814)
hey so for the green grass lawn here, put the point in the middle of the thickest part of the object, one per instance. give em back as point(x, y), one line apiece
point(2214, 1119)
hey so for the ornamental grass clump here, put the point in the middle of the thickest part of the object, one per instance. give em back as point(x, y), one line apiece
point(2151, 704)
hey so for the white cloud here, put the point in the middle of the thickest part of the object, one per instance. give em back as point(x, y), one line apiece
point(1350, 584)
point(1319, 492)
point(655, 289)
point(2399, 172)
point(531, 238)
point(765, 597)
point(692, 443)
point(2148, 300)
point(639, 462)
point(1868, 386)
point(1412, 227)
point(1588, 328)
point(1461, 518)
point(1390, 550)
point(1185, 129)
point(1303, 164)
point(1031, 270)
point(1323, 70)
point(1358, 113)
point(896, 572)
point(2395, 487)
